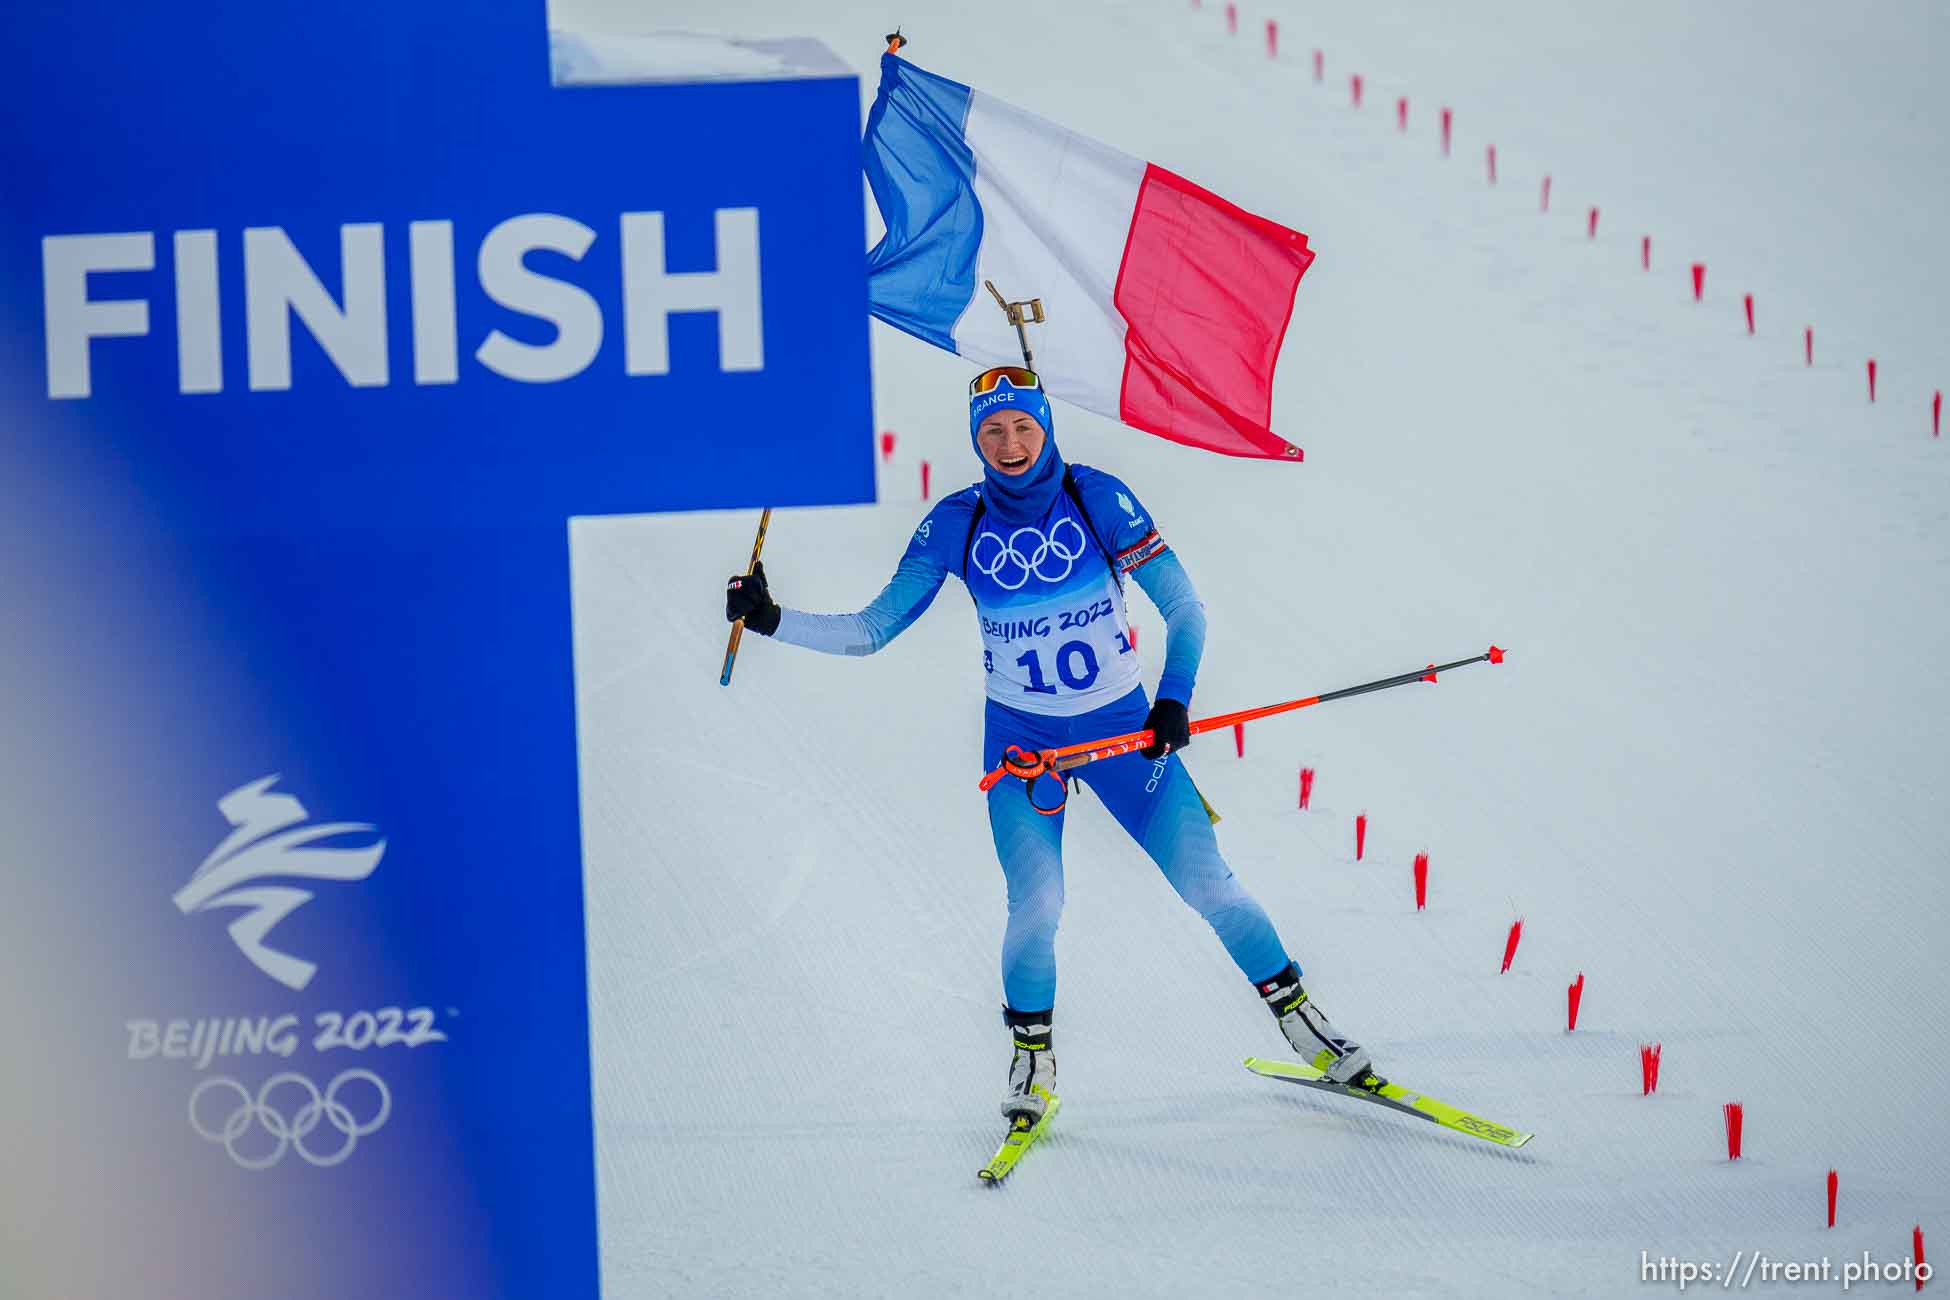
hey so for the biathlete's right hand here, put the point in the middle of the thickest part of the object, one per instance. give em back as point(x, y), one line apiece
point(1170, 727)
point(746, 597)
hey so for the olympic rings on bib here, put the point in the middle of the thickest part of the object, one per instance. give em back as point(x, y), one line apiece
point(1009, 565)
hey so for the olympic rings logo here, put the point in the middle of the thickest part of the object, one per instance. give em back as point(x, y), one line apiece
point(292, 1132)
point(1009, 558)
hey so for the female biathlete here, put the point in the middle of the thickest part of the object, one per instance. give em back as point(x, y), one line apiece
point(1042, 548)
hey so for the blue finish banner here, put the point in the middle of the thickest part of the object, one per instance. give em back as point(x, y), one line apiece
point(320, 323)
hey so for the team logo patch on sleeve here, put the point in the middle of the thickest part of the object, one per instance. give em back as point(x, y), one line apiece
point(1147, 548)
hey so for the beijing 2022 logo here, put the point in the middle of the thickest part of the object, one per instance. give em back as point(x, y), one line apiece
point(257, 1122)
point(264, 843)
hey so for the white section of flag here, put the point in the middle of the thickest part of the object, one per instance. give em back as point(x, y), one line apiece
point(1056, 211)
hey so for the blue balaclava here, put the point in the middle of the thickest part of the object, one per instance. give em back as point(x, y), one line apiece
point(1024, 497)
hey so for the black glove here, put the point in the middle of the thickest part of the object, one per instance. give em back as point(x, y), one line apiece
point(746, 597)
point(1170, 725)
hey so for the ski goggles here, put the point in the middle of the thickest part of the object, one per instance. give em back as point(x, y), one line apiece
point(1018, 377)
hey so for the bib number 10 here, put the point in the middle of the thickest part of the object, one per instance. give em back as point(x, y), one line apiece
point(1076, 668)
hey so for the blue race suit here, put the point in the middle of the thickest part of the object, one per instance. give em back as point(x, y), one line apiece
point(1060, 669)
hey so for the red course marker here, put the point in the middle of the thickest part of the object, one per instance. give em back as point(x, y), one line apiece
point(1320, 65)
point(1872, 379)
point(1360, 835)
point(1649, 1067)
point(1544, 205)
point(1447, 119)
point(924, 480)
point(1490, 155)
point(1916, 1243)
point(1645, 252)
point(1401, 114)
point(1936, 414)
point(1354, 85)
point(1232, 19)
point(1272, 39)
point(1735, 1114)
point(1834, 1184)
point(1573, 996)
point(1748, 299)
point(1699, 280)
point(887, 444)
point(1591, 231)
point(1421, 881)
point(1306, 787)
point(1239, 738)
point(1510, 945)
point(1808, 337)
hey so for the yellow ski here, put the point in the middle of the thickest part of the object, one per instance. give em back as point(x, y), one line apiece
point(1022, 1136)
point(1395, 1097)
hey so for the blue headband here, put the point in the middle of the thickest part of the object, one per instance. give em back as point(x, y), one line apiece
point(1004, 394)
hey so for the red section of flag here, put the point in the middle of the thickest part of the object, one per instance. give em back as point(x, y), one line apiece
point(1354, 87)
point(1401, 114)
point(1232, 19)
point(1206, 289)
point(1736, 1116)
point(1544, 204)
point(924, 480)
point(1510, 945)
point(1748, 300)
point(1573, 996)
point(1916, 1247)
point(887, 444)
point(1306, 787)
point(1360, 835)
point(1272, 39)
point(1872, 379)
point(1592, 231)
point(1448, 119)
point(1320, 65)
point(1936, 414)
point(1834, 1185)
point(1489, 155)
point(1699, 280)
point(1808, 338)
point(1645, 252)
point(1421, 881)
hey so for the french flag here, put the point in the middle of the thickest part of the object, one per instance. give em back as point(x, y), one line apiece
point(1166, 304)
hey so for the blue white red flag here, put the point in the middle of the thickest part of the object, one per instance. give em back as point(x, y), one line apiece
point(1167, 305)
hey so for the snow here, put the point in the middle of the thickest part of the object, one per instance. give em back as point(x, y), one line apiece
point(1711, 775)
point(596, 58)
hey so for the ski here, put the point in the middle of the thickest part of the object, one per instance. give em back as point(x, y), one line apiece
point(1395, 1097)
point(1022, 1136)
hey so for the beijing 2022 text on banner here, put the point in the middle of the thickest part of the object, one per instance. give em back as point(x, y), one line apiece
point(318, 324)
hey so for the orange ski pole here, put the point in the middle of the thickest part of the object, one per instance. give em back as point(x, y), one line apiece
point(1028, 765)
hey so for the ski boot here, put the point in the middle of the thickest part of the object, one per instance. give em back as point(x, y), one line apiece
point(1314, 1037)
point(1032, 1071)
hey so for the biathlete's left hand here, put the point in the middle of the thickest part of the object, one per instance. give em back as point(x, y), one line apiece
point(1170, 726)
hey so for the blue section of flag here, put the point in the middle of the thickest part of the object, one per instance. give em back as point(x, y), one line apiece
point(921, 275)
